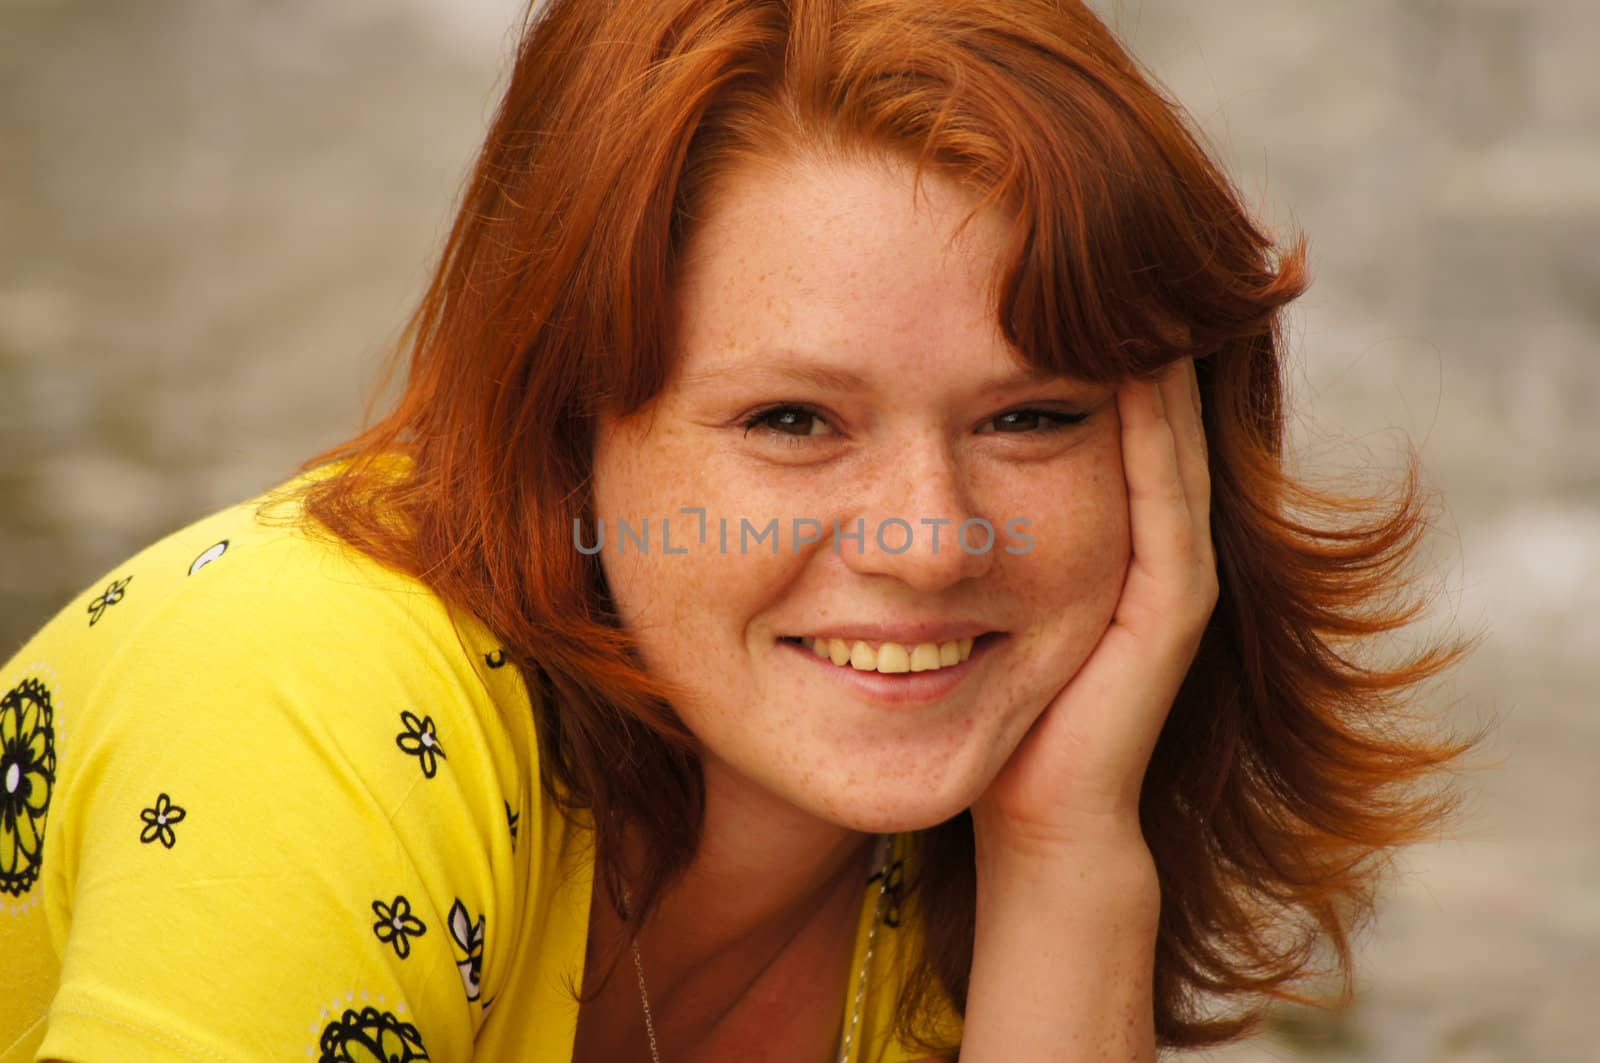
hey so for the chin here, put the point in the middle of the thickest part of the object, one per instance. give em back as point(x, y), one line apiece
point(909, 821)
point(887, 808)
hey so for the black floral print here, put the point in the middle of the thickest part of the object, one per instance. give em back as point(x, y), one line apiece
point(468, 937)
point(109, 597)
point(511, 822)
point(210, 554)
point(893, 889)
point(420, 740)
point(497, 659)
point(370, 1036)
point(158, 822)
point(27, 778)
point(397, 926)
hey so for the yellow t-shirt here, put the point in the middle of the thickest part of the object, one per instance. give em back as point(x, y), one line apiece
point(262, 798)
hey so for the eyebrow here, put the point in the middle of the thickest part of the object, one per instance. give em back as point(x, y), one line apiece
point(799, 369)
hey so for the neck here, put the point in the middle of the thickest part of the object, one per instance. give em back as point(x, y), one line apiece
point(765, 873)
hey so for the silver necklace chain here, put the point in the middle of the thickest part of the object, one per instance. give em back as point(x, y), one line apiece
point(861, 977)
point(644, 997)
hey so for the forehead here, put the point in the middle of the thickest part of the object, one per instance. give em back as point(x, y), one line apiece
point(836, 260)
point(854, 211)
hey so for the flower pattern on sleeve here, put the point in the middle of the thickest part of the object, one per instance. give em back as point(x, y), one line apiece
point(421, 741)
point(27, 778)
point(109, 597)
point(210, 554)
point(397, 926)
point(158, 822)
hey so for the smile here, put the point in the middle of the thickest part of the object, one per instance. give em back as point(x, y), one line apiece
point(892, 677)
point(888, 658)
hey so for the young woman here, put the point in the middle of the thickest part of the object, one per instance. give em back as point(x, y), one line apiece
point(830, 589)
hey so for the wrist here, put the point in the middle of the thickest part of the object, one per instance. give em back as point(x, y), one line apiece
point(1117, 840)
point(1064, 955)
point(1111, 868)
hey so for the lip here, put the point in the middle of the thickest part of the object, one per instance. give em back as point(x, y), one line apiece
point(905, 688)
point(908, 634)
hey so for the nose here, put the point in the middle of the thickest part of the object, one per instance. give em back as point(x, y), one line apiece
point(910, 520)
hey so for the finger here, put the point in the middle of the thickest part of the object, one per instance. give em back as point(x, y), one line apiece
point(1158, 507)
point(1181, 392)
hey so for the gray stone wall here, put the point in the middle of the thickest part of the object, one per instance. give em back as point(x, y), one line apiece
point(215, 214)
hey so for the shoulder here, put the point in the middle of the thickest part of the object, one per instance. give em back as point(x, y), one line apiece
point(245, 653)
point(276, 771)
point(254, 589)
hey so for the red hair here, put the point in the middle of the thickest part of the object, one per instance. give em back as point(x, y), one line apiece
point(1281, 780)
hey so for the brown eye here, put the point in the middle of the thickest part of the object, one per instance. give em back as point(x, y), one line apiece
point(1019, 422)
point(791, 421)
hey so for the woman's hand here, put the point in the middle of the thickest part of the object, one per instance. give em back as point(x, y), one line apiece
point(1076, 776)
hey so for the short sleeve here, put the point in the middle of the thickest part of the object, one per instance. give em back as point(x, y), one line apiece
point(282, 822)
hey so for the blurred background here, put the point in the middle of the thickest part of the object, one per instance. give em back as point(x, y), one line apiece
point(214, 215)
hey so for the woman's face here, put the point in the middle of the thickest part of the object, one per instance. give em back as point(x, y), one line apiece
point(826, 308)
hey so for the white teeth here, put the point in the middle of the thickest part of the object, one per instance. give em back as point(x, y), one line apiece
point(892, 658)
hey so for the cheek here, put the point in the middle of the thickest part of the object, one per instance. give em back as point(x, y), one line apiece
point(1106, 543)
point(1082, 547)
point(626, 479)
point(687, 607)
point(1088, 487)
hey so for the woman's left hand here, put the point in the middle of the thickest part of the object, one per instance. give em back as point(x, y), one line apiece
point(1076, 776)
